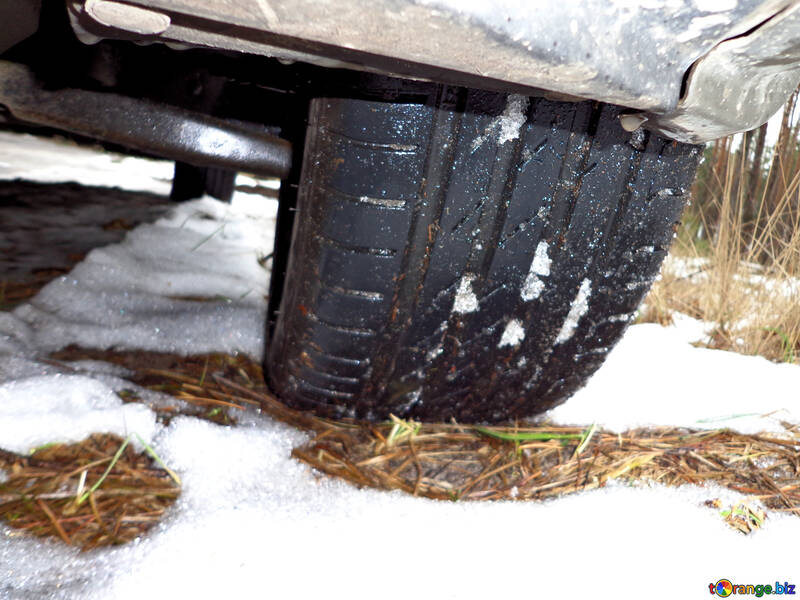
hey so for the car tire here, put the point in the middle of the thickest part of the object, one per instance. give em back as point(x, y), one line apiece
point(469, 255)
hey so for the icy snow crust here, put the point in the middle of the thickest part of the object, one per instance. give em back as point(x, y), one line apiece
point(465, 300)
point(252, 522)
point(56, 160)
point(533, 286)
point(62, 408)
point(513, 118)
point(578, 308)
point(508, 126)
point(513, 334)
point(138, 294)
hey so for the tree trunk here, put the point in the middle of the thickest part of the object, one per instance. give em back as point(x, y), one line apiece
point(754, 190)
point(776, 181)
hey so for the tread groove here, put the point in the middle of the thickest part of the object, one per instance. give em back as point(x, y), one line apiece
point(421, 236)
point(297, 372)
point(363, 294)
point(389, 203)
point(322, 391)
point(388, 252)
point(394, 148)
point(358, 331)
point(353, 362)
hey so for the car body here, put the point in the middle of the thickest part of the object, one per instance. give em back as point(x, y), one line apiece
point(693, 71)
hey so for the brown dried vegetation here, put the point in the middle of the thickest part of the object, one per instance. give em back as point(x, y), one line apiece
point(444, 461)
point(48, 493)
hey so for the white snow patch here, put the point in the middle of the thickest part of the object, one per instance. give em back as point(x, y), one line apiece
point(466, 301)
point(513, 118)
point(654, 376)
point(414, 398)
point(691, 330)
point(98, 367)
point(578, 308)
point(66, 408)
point(541, 261)
point(251, 180)
point(138, 294)
point(635, 285)
point(623, 317)
point(533, 287)
point(513, 334)
point(56, 160)
point(508, 126)
point(680, 266)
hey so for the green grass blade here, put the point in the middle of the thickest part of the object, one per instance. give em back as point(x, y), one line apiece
point(100, 481)
point(523, 436)
point(726, 417)
point(587, 437)
point(158, 460)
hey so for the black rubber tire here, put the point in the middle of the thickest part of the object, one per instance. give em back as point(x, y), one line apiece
point(466, 254)
point(190, 182)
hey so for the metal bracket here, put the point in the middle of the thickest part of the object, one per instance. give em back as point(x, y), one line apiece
point(157, 129)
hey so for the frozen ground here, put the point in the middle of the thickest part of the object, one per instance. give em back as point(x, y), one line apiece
point(253, 523)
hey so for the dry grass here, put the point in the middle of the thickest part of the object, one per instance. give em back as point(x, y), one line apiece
point(745, 282)
point(444, 461)
point(448, 461)
point(533, 463)
point(50, 493)
point(188, 379)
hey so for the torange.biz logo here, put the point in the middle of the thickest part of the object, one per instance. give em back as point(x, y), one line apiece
point(725, 588)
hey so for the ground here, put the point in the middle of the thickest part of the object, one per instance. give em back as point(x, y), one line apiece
point(253, 521)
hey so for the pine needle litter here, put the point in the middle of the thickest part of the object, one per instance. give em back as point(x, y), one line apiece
point(98, 492)
point(455, 462)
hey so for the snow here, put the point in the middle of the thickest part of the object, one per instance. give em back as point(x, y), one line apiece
point(507, 126)
point(533, 286)
point(465, 300)
point(138, 293)
point(513, 334)
point(55, 160)
point(513, 118)
point(253, 522)
point(699, 24)
point(654, 376)
point(62, 408)
point(577, 309)
point(434, 352)
point(715, 5)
